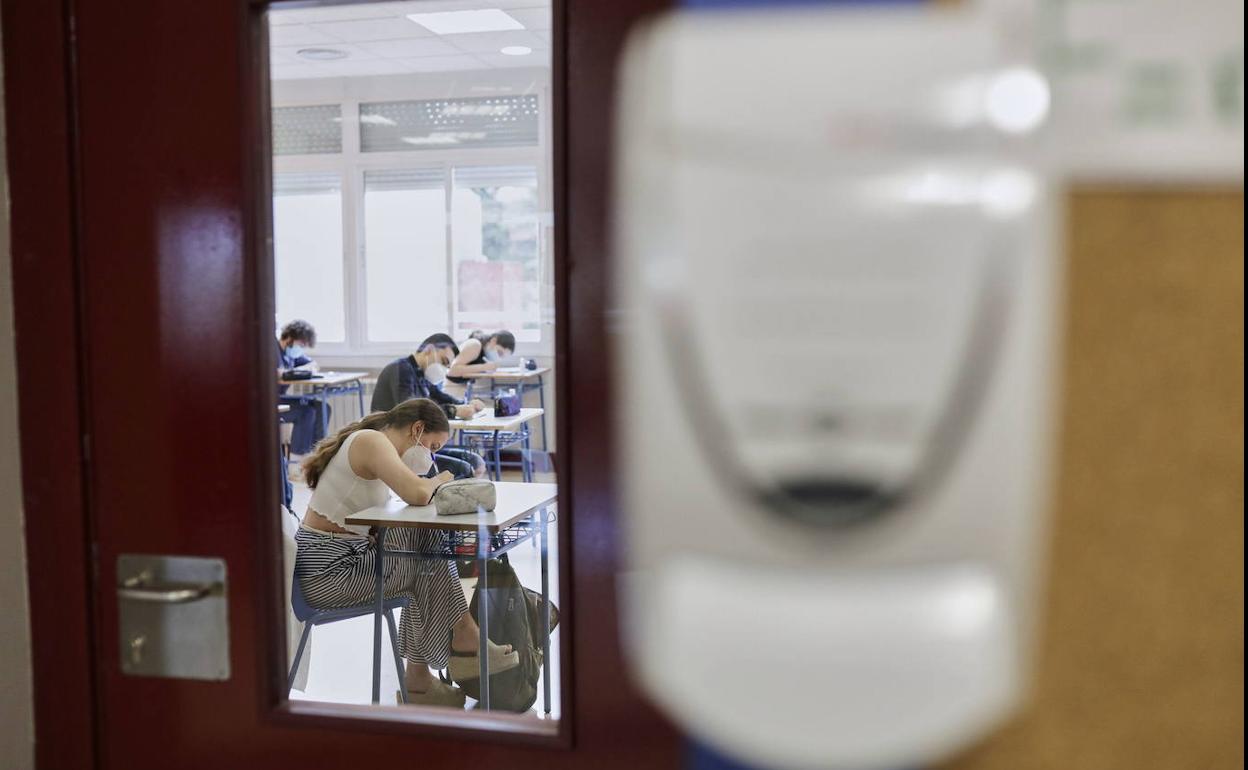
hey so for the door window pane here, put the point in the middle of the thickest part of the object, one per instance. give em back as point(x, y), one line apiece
point(496, 233)
point(405, 254)
point(307, 248)
point(412, 197)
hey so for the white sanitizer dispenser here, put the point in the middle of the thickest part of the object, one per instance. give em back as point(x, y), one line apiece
point(834, 356)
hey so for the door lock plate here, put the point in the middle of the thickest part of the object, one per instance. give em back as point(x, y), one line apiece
point(173, 617)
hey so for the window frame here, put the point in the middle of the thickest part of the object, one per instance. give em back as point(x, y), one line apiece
point(352, 164)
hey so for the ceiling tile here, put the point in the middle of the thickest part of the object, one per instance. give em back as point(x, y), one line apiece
point(539, 58)
point(285, 56)
point(434, 6)
point(461, 62)
point(364, 30)
point(298, 34)
point(283, 18)
point(346, 68)
point(353, 51)
point(532, 18)
point(296, 71)
point(492, 42)
point(400, 49)
point(508, 5)
point(333, 13)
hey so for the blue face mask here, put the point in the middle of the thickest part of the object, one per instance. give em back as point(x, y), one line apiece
point(492, 355)
point(295, 351)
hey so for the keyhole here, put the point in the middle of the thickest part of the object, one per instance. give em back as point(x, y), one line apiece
point(136, 649)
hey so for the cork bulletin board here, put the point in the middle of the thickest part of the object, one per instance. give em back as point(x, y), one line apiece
point(1141, 659)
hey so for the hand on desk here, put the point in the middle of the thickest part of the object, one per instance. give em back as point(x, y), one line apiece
point(466, 411)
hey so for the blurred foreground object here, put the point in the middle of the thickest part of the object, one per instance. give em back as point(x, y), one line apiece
point(833, 231)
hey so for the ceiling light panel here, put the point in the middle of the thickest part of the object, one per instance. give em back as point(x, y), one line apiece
point(466, 22)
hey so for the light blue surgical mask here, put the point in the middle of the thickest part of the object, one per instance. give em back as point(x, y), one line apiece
point(436, 373)
point(295, 351)
point(492, 355)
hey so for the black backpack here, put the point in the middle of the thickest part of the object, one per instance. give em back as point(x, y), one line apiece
point(515, 618)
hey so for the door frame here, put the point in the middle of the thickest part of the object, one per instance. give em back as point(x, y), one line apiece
point(43, 206)
point(613, 724)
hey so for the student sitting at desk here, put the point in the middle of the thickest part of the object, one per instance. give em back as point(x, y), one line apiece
point(478, 355)
point(353, 471)
point(292, 344)
point(413, 377)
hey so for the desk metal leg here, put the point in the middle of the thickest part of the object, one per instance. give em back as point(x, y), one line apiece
point(498, 458)
point(379, 575)
point(324, 400)
point(546, 662)
point(398, 662)
point(483, 613)
point(526, 456)
point(541, 400)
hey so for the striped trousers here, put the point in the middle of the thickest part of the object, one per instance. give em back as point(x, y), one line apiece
point(337, 571)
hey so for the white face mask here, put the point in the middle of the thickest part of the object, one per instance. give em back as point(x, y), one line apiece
point(418, 459)
point(436, 373)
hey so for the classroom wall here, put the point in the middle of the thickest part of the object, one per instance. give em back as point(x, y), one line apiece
point(1141, 659)
point(17, 730)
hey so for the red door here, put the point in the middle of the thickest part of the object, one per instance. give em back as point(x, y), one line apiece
point(138, 158)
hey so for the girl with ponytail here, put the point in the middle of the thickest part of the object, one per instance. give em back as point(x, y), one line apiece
point(356, 469)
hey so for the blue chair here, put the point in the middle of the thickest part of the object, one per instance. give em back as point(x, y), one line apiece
point(311, 616)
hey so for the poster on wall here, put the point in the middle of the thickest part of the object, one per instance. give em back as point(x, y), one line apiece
point(1146, 90)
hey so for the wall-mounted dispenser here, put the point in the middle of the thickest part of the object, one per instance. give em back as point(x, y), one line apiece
point(834, 372)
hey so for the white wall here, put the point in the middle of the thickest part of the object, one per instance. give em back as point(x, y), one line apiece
point(17, 730)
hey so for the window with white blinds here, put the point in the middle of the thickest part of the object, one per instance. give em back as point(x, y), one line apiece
point(439, 124)
point(496, 235)
point(312, 130)
point(308, 251)
point(405, 259)
point(382, 240)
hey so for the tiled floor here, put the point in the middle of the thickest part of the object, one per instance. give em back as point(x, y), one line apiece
point(341, 663)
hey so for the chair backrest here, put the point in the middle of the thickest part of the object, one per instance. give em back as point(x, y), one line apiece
point(303, 610)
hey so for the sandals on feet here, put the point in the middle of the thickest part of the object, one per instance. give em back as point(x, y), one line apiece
point(439, 694)
point(467, 665)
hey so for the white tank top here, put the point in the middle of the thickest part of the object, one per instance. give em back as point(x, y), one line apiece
point(340, 492)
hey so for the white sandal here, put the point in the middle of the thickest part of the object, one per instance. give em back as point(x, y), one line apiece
point(440, 694)
point(467, 665)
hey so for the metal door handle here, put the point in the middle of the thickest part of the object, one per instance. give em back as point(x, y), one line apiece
point(137, 589)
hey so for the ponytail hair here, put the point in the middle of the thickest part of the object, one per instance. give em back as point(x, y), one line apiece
point(410, 412)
